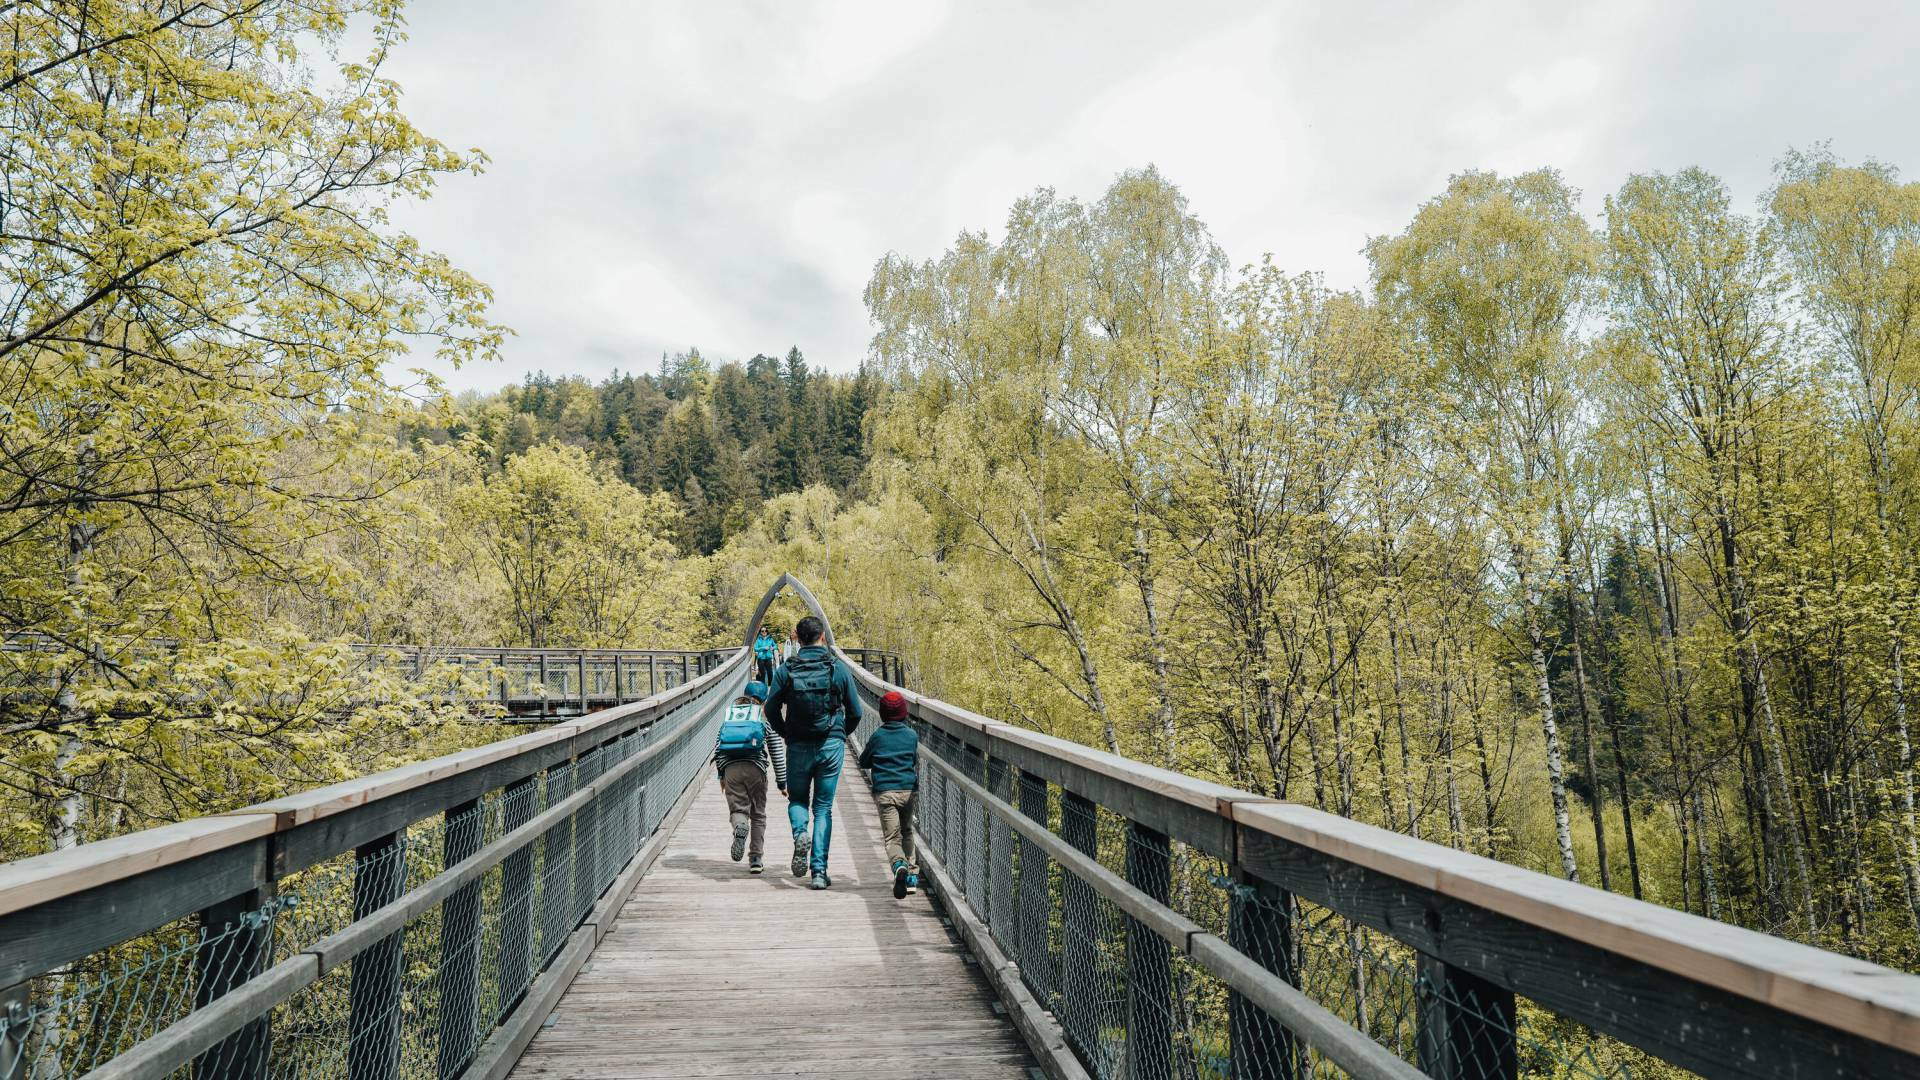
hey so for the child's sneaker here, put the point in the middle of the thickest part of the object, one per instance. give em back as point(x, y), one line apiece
point(820, 881)
point(739, 841)
point(899, 880)
point(756, 866)
point(913, 883)
point(802, 847)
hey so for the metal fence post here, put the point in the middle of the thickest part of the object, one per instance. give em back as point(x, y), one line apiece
point(583, 682)
point(586, 836)
point(542, 657)
point(1037, 961)
point(221, 968)
point(1467, 1025)
point(1260, 926)
point(459, 943)
point(14, 1027)
point(977, 858)
point(1149, 961)
point(1079, 939)
point(373, 993)
point(516, 892)
point(556, 868)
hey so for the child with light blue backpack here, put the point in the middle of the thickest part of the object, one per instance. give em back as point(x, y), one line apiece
point(744, 750)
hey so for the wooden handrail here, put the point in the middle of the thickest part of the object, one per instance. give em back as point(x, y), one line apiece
point(36, 880)
point(1854, 996)
point(1352, 1050)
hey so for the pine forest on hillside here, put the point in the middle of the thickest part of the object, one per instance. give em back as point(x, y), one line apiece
point(1585, 542)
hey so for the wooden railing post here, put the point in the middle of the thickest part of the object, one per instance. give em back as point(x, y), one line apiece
point(653, 674)
point(1467, 1025)
point(219, 968)
point(1149, 961)
point(583, 682)
point(1079, 938)
point(459, 942)
point(373, 993)
point(1261, 927)
point(619, 679)
point(516, 892)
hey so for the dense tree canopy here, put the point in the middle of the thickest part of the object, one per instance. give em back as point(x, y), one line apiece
point(1584, 544)
point(720, 442)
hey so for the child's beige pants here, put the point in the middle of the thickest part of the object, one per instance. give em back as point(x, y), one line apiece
point(896, 824)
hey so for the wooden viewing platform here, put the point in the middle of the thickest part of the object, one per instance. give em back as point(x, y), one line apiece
point(710, 971)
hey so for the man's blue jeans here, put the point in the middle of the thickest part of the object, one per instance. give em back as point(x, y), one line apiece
point(813, 776)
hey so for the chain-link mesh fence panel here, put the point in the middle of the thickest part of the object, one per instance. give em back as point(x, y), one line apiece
point(419, 1003)
point(1131, 1005)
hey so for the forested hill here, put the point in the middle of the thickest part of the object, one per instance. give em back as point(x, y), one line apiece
point(721, 440)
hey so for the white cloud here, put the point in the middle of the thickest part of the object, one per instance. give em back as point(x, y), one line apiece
point(669, 174)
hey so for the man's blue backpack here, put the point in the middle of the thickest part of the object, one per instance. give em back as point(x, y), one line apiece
point(743, 737)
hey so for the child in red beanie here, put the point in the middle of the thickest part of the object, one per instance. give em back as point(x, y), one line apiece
point(892, 754)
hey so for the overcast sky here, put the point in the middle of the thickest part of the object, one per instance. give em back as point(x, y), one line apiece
point(725, 174)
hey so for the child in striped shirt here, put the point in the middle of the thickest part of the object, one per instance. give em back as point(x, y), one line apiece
point(743, 750)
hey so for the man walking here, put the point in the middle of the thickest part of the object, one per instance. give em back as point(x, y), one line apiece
point(763, 649)
point(814, 706)
point(743, 750)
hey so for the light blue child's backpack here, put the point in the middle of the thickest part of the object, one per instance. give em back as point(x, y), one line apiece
point(743, 736)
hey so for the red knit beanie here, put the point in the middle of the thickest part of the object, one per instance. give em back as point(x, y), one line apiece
point(893, 707)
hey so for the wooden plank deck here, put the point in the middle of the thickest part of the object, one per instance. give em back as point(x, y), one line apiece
point(711, 972)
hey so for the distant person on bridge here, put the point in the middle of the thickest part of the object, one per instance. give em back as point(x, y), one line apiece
point(743, 749)
point(764, 648)
point(892, 755)
point(814, 706)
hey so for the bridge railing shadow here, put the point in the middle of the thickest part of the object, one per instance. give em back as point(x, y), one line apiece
point(1162, 926)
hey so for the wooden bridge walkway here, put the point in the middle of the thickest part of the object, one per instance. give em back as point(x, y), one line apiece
point(710, 971)
point(567, 893)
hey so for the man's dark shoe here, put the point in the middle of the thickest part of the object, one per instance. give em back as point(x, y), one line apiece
point(802, 847)
point(899, 881)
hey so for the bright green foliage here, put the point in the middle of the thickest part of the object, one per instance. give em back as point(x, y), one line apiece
point(583, 556)
point(201, 295)
point(1589, 549)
